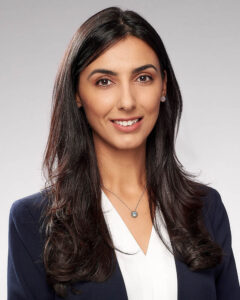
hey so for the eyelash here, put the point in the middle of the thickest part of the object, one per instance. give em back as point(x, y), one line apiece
point(110, 80)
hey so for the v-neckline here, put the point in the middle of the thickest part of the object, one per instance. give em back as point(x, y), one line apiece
point(128, 230)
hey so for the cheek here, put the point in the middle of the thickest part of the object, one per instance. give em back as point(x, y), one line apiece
point(151, 102)
point(154, 106)
point(96, 107)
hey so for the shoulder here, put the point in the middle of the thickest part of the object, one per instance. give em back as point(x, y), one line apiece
point(218, 225)
point(32, 204)
point(212, 203)
point(211, 200)
point(25, 225)
point(26, 271)
point(28, 211)
point(216, 217)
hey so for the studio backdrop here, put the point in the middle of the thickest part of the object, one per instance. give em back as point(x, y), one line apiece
point(203, 42)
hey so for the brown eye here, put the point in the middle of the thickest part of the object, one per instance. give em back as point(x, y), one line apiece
point(144, 77)
point(103, 81)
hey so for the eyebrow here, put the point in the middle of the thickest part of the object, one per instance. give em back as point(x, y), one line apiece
point(134, 71)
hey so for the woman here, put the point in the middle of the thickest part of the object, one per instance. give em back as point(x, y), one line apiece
point(119, 217)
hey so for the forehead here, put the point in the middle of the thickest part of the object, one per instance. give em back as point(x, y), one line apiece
point(126, 54)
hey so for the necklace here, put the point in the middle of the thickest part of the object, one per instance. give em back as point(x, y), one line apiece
point(134, 212)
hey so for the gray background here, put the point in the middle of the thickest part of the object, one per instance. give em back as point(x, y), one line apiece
point(203, 42)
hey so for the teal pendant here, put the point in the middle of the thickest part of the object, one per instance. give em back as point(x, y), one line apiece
point(134, 214)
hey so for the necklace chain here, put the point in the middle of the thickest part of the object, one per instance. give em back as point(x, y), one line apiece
point(134, 213)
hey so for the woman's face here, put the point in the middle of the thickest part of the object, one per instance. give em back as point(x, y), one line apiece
point(113, 87)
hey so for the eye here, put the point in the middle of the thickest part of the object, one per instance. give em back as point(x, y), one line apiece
point(103, 80)
point(145, 76)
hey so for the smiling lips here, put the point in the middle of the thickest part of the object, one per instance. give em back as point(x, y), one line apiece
point(126, 121)
point(127, 125)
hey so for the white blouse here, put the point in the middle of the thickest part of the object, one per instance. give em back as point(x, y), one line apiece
point(146, 277)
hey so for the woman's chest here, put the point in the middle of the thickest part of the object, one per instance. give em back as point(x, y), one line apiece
point(123, 226)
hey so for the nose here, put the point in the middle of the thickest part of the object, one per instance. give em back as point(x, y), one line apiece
point(126, 99)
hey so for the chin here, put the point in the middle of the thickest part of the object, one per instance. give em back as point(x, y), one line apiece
point(130, 145)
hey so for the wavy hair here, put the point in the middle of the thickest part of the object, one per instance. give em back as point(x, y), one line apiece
point(77, 243)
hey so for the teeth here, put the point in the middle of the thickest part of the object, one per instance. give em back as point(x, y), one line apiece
point(126, 123)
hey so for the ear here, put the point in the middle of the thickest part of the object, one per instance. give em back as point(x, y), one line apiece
point(78, 100)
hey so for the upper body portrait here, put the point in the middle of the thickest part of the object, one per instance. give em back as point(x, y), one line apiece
point(119, 217)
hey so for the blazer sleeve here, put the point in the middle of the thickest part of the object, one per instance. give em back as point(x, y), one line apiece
point(227, 282)
point(26, 277)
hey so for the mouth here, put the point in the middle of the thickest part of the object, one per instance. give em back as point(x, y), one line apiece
point(127, 122)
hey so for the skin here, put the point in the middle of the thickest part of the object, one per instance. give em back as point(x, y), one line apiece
point(120, 155)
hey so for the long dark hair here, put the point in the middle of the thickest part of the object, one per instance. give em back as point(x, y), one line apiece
point(77, 242)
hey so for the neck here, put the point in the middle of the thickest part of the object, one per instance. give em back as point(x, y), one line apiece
point(122, 171)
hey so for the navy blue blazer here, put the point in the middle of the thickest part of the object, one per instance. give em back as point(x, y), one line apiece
point(26, 274)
